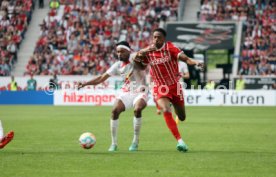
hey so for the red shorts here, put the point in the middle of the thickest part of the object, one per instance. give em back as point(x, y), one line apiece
point(173, 92)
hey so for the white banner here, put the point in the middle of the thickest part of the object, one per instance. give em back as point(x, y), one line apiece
point(230, 98)
point(192, 97)
point(106, 93)
point(85, 97)
point(64, 82)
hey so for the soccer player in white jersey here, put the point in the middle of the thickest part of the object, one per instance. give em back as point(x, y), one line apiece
point(4, 140)
point(133, 93)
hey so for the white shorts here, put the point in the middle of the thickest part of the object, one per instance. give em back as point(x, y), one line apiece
point(130, 99)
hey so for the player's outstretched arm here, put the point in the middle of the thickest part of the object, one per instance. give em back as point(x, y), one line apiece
point(94, 81)
point(190, 61)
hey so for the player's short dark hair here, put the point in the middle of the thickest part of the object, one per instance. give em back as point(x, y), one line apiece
point(125, 43)
point(161, 30)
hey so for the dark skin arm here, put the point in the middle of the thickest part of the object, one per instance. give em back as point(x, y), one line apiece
point(182, 57)
point(94, 81)
point(142, 54)
point(190, 61)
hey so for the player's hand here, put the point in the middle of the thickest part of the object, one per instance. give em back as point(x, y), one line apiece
point(138, 58)
point(150, 48)
point(80, 85)
point(200, 66)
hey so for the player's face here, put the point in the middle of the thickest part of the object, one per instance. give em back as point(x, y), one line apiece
point(158, 39)
point(123, 54)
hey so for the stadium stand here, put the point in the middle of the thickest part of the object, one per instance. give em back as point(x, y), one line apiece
point(258, 53)
point(78, 38)
point(15, 16)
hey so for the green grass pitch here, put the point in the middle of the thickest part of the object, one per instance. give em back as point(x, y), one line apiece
point(223, 142)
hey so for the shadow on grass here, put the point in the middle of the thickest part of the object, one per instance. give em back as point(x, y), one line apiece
point(124, 152)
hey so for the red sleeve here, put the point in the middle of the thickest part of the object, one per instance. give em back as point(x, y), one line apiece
point(174, 51)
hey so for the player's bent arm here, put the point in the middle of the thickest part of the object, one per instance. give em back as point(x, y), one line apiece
point(95, 81)
point(190, 61)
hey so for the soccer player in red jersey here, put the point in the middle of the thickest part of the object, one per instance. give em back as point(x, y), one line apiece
point(163, 59)
point(4, 140)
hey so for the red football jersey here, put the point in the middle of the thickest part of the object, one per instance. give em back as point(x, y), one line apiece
point(164, 64)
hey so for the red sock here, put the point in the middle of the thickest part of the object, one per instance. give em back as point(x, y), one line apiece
point(172, 125)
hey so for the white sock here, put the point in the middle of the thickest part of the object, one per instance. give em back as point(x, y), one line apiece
point(114, 129)
point(137, 123)
point(180, 141)
point(1, 131)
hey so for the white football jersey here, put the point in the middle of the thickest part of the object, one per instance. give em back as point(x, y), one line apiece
point(182, 67)
point(134, 78)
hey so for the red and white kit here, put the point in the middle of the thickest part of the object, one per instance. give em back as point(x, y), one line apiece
point(134, 82)
point(165, 73)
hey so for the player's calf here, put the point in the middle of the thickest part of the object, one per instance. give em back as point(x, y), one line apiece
point(181, 117)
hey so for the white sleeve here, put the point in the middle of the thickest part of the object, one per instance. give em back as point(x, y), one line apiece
point(131, 57)
point(113, 70)
point(183, 68)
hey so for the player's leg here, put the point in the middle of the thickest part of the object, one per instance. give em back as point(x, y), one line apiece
point(164, 100)
point(114, 123)
point(1, 131)
point(178, 104)
point(4, 140)
point(180, 111)
point(158, 109)
point(181, 114)
point(164, 103)
point(139, 106)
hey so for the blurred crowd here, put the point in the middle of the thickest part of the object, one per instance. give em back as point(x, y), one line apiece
point(15, 16)
point(78, 38)
point(258, 53)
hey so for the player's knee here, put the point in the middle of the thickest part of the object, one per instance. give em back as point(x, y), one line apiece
point(115, 113)
point(138, 112)
point(166, 109)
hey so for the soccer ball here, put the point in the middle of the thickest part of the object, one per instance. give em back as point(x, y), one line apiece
point(87, 140)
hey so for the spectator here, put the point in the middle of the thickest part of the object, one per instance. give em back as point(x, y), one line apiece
point(14, 18)
point(53, 83)
point(81, 39)
point(31, 84)
point(54, 4)
point(259, 28)
point(210, 85)
point(13, 84)
point(240, 84)
point(4, 68)
point(72, 44)
point(12, 48)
